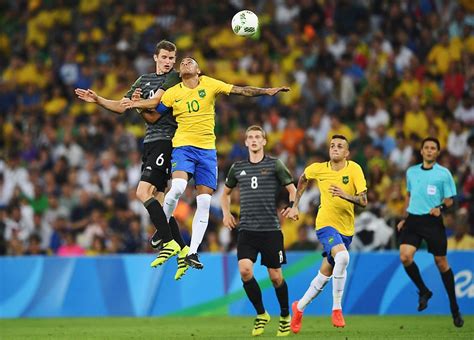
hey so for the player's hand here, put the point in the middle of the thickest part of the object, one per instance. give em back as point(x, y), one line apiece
point(435, 212)
point(291, 213)
point(401, 225)
point(229, 221)
point(137, 94)
point(86, 95)
point(336, 191)
point(127, 103)
point(274, 90)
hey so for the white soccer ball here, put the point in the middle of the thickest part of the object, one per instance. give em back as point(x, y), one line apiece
point(245, 23)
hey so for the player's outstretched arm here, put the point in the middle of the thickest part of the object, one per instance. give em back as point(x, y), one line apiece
point(250, 91)
point(92, 97)
point(292, 211)
point(228, 220)
point(149, 103)
point(359, 199)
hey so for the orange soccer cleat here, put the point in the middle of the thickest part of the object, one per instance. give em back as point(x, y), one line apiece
point(296, 319)
point(338, 318)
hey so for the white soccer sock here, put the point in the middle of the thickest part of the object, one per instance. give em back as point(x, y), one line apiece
point(200, 220)
point(316, 286)
point(178, 185)
point(339, 278)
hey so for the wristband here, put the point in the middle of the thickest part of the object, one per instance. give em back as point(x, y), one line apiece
point(291, 204)
point(442, 207)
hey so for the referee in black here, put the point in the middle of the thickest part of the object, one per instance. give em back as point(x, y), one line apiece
point(260, 179)
point(431, 190)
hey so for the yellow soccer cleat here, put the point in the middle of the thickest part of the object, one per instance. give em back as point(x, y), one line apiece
point(182, 266)
point(169, 249)
point(284, 327)
point(259, 325)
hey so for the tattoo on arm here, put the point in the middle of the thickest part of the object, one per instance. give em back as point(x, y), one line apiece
point(248, 91)
point(360, 199)
point(302, 184)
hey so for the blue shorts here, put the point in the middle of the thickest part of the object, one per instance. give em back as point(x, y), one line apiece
point(200, 163)
point(330, 237)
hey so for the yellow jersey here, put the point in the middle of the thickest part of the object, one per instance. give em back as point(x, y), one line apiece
point(194, 111)
point(335, 211)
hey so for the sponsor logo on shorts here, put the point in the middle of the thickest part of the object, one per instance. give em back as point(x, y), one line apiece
point(331, 240)
point(173, 165)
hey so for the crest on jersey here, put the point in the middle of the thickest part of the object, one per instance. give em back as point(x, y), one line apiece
point(202, 93)
point(345, 179)
point(264, 171)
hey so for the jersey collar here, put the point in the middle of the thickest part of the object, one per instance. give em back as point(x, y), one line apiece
point(427, 169)
point(264, 156)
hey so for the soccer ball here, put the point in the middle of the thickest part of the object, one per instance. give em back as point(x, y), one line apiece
point(245, 23)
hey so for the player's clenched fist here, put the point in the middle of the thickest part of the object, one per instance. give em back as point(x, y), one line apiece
point(291, 213)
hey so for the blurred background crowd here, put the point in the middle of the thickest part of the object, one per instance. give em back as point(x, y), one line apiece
point(385, 74)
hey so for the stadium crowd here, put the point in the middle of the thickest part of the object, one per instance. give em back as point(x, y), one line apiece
point(384, 74)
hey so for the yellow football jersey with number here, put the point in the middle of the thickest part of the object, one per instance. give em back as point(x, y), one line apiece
point(194, 111)
point(335, 211)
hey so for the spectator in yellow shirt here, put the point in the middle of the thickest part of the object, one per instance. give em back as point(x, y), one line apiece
point(409, 87)
point(440, 55)
point(338, 128)
point(415, 121)
point(461, 240)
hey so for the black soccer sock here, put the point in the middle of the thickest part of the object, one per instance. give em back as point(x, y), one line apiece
point(448, 280)
point(414, 274)
point(176, 233)
point(282, 296)
point(254, 294)
point(158, 218)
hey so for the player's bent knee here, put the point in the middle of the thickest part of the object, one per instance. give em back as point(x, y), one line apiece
point(145, 191)
point(178, 186)
point(342, 257)
point(203, 201)
point(246, 273)
point(441, 263)
point(277, 280)
point(406, 259)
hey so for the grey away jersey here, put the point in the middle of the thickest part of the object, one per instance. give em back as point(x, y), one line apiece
point(165, 127)
point(259, 184)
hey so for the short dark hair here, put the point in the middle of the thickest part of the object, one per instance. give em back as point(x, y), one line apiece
point(256, 128)
point(431, 139)
point(340, 137)
point(165, 45)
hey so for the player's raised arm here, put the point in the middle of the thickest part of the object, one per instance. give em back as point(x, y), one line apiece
point(92, 97)
point(251, 91)
point(149, 103)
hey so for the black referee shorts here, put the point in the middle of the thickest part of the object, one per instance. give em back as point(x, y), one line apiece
point(427, 227)
point(156, 167)
point(268, 243)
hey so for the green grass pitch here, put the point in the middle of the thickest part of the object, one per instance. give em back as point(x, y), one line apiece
point(357, 327)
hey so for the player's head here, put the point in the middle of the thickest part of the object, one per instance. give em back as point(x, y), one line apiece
point(430, 148)
point(165, 56)
point(255, 138)
point(189, 67)
point(338, 148)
